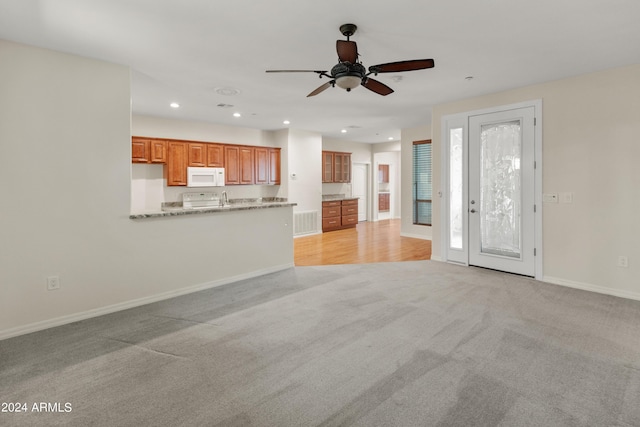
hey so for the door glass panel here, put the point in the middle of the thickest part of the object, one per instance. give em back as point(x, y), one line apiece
point(455, 188)
point(500, 189)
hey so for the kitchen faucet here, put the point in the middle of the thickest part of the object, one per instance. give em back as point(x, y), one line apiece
point(225, 199)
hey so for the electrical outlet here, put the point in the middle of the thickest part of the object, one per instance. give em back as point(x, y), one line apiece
point(53, 283)
point(623, 261)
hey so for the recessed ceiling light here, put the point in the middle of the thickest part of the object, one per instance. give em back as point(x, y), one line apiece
point(390, 138)
point(174, 105)
point(286, 122)
point(343, 131)
point(237, 115)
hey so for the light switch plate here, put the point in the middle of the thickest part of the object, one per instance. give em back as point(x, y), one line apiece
point(550, 198)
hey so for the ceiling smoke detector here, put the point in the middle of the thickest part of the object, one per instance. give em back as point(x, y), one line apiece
point(227, 91)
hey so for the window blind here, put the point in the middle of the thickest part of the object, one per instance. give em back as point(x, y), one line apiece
point(422, 182)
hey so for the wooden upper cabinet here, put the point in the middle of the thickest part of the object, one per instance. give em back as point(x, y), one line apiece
point(267, 165)
point(148, 150)
point(215, 155)
point(261, 164)
point(197, 154)
point(383, 173)
point(139, 150)
point(246, 164)
point(345, 176)
point(238, 164)
point(176, 167)
point(232, 164)
point(274, 166)
point(327, 166)
point(158, 151)
point(336, 166)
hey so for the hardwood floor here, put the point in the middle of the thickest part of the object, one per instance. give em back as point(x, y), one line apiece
point(369, 242)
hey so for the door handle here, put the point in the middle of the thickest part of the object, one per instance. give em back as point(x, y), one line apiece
point(472, 211)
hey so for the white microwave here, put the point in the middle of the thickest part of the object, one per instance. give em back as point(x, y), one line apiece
point(205, 177)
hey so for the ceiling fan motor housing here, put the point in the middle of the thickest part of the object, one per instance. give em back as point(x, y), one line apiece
point(347, 75)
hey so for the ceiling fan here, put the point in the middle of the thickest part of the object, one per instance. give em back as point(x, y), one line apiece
point(349, 72)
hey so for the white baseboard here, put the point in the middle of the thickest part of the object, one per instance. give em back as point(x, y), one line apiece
point(295, 236)
point(415, 236)
point(436, 258)
point(592, 288)
point(63, 320)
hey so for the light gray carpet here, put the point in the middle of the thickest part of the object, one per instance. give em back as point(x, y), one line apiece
point(392, 344)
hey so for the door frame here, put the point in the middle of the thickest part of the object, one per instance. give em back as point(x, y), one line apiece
point(461, 120)
point(367, 189)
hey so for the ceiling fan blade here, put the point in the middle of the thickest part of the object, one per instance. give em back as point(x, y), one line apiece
point(295, 71)
point(396, 67)
point(377, 87)
point(321, 88)
point(347, 51)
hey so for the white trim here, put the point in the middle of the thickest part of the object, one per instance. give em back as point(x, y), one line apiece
point(436, 258)
point(537, 176)
point(444, 173)
point(306, 234)
point(416, 236)
point(592, 288)
point(59, 321)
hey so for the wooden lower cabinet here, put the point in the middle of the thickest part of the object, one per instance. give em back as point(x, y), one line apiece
point(384, 202)
point(339, 214)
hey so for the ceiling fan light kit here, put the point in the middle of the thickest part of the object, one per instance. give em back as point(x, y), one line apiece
point(349, 73)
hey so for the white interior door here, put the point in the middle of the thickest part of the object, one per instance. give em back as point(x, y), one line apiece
point(501, 200)
point(359, 186)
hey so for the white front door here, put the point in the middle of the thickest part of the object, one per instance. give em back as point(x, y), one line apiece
point(359, 187)
point(501, 200)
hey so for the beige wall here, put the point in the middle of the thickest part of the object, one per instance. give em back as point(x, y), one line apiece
point(590, 148)
point(65, 168)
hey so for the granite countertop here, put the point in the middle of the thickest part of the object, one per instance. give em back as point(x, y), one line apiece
point(176, 209)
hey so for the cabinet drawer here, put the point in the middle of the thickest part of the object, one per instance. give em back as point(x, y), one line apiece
point(350, 219)
point(350, 202)
point(350, 210)
point(331, 212)
point(332, 203)
point(330, 223)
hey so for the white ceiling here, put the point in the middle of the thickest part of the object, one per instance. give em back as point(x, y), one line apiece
point(184, 51)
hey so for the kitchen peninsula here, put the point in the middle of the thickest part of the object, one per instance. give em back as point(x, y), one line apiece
point(177, 209)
